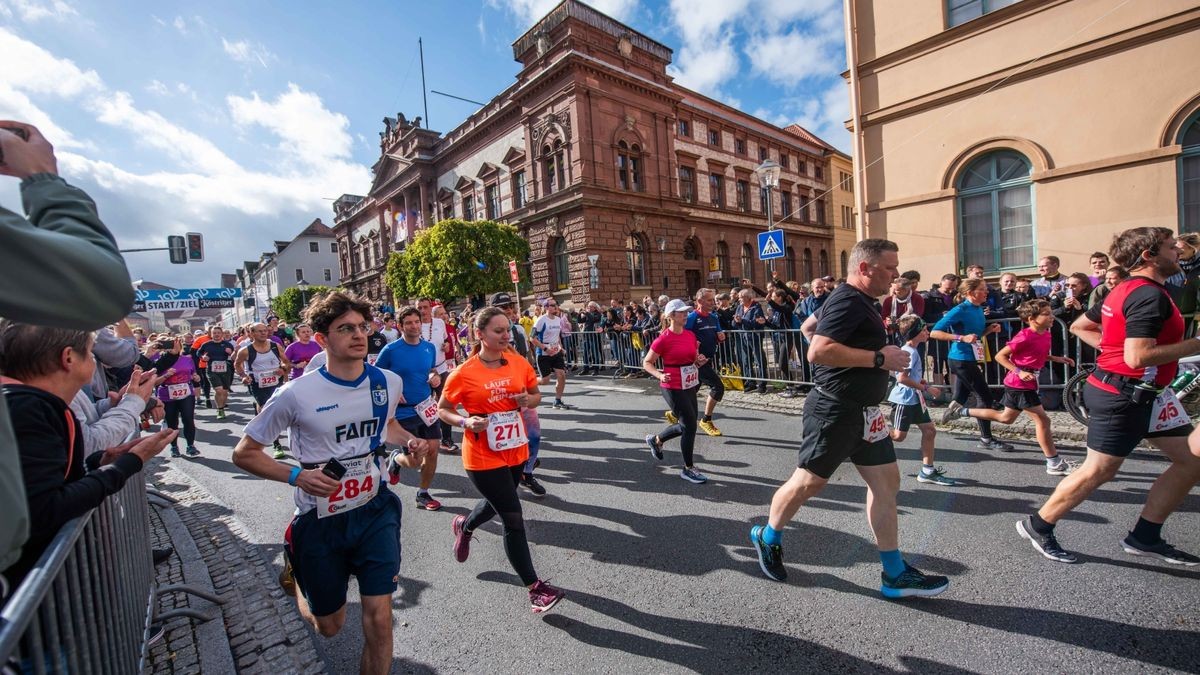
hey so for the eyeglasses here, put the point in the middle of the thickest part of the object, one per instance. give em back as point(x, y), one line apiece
point(352, 328)
point(551, 304)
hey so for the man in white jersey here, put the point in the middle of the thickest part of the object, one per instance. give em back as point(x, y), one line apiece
point(547, 337)
point(347, 522)
point(262, 366)
point(433, 331)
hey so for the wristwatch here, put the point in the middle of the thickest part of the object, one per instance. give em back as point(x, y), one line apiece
point(878, 359)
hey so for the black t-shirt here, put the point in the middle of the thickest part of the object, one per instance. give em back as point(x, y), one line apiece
point(376, 342)
point(215, 350)
point(854, 319)
point(1146, 311)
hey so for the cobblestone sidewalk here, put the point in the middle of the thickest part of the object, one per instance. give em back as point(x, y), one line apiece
point(257, 629)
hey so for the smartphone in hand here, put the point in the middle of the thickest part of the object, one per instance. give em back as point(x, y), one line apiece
point(334, 469)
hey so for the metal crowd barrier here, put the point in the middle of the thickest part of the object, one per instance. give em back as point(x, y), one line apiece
point(781, 356)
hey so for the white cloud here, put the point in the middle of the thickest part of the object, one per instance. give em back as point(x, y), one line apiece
point(180, 24)
point(706, 69)
point(309, 133)
point(785, 58)
point(30, 68)
point(247, 52)
point(529, 12)
point(32, 11)
point(156, 87)
point(701, 20)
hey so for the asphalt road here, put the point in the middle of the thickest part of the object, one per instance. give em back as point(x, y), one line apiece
point(661, 576)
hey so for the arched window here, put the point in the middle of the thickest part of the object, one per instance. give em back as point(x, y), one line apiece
point(995, 212)
point(554, 167)
point(722, 257)
point(807, 265)
point(845, 264)
point(790, 264)
point(691, 249)
point(629, 166)
point(823, 267)
point(748, 262)
point(635, 254)
point(561, 264)
point(1189, 177)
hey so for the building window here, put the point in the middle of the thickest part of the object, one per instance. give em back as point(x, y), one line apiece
point(629, 166)
point(491, 196)
point(561, 264)
point(739, 146)
point(995, 212)
point(743, 203)
point(818, 171)
point(790, 263)
point(844, 181)
point(468, 202)
point(847, 217)
point(690, 250)
point(1189, 178)
point(716, 189)
point(783, 161)
point(763, 153)
point(685, 129)
point(804, 208)
point(748, 262)
point(518, 188)
point(962, 11)
point(823, 263)
point(555, 167)
point(333, 247)
point(314, 247)
point(806, 264)
point(714, 137)
point(845, 264)
point(722, 256)
point(687, 184)
point(801, 167)
point(635, 255)
point(327, 274)
point(762, 200)
point(820, 211)
point(299, 274)
point(785, 204)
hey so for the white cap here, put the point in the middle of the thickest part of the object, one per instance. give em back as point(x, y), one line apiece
point(677, 305)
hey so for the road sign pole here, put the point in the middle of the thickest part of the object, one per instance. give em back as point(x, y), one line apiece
point(514, 273)
point(770, 226)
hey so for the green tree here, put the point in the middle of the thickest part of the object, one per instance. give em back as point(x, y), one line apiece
point(288, 306)
point(456, 259)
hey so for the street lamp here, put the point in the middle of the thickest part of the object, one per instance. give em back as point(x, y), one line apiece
point(303, 286)
point(768, 178)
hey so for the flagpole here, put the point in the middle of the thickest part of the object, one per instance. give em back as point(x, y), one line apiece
point(424, 99)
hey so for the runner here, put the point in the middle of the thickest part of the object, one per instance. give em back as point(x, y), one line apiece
point(547, 338)
point(679, 380)
point(533, 424)
point(908, 397)
point(1024, 355)
point(178, 393)
point(200, 337)
point(842, 420)
point(412, 359)
point(267, 366)
point(434, 331)
point(704, 322)
point(348, 524)
point(492, 389)
point(1138, 331)
point(219, 354)
point(964, 327)
point(376, 341)
point(302, 350)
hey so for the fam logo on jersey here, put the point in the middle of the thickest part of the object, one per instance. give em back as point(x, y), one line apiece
point(354, 430)
point(379, 396)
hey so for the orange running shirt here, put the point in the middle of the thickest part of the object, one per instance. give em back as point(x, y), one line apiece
point(481, 390)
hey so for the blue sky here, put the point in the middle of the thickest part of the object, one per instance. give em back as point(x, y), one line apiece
point(240, 119)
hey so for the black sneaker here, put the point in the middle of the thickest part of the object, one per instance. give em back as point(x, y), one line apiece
point(175, 451)
point(208, 403)
point(1047, 545)
point(559, 405)
point(1161, 550)
point(655, 446)
point(533, 485)
point(770, 557)
point(912, 583)
point(995, 444)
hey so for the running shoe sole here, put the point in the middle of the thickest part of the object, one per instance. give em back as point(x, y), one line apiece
point(935, 480)
point(898, 593)
point(1151, 554)
point(456, 526)
point(539, 610)
point(655, 448)
point(700, 480)
point(1032, 539)
point(759, 544)
point(951, 412)
point(710, 429)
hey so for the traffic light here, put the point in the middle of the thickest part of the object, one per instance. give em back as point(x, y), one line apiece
point(195, 247)
point(177, 249)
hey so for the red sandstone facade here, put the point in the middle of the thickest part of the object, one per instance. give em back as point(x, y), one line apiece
point(624, 183)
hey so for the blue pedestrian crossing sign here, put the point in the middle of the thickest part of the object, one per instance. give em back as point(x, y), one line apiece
point(770, 244)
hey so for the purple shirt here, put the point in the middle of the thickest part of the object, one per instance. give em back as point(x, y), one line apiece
point(184, 367)
point(298, 351)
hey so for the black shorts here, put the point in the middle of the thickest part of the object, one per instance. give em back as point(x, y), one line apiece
point(833, 433)
point(1020, 399)
point(905, 416)
point(364, 542)
point(709, 376)
point(548, 364)
point(223, 380)
point(1116, 424)
point(417, 427)
point(262, 394)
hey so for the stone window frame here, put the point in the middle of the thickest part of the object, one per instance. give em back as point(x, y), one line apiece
point(716, 189)
point(520, 190)
point(721, 253)
point(741, 195)
point(491, 200)
point(683, 128)
point(560, 265)
point(630, 157)
point(636, 247)
point(748, 262)
point(553, 161)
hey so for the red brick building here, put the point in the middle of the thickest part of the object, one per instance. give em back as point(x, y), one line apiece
point(624, 183)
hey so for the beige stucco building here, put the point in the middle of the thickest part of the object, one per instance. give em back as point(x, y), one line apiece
point(841, 180)
point(1001, 131)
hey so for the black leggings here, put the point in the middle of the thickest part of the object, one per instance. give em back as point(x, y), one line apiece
point(185, 408)
point(204, 383)
point(683, 403)
point(968, 378)
point(499, 490)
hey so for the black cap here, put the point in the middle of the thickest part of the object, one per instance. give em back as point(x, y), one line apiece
point(500, 299)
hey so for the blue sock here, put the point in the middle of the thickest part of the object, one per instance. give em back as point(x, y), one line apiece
point(770, 536)
point(893, 562)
